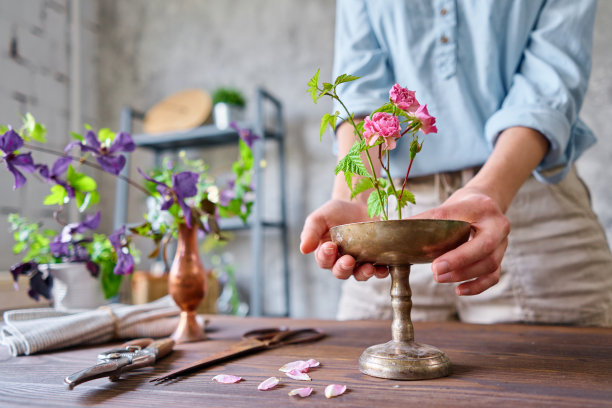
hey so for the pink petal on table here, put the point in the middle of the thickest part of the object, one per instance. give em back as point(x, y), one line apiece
point(297, 375)
point(226, 379)
point(299, 365)
point(302, 392)
point(313, 363)
point(333, 390)
point(267, 384)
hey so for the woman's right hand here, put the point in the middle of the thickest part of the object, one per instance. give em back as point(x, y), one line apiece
point(315, 237)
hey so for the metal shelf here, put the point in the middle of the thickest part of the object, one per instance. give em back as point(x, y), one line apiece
point(209, 136)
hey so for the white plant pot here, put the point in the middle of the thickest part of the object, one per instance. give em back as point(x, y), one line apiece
point(224, 114)
point(74, 287)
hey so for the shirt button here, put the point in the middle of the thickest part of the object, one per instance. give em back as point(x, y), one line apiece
point(444, 39)
point(443, 12)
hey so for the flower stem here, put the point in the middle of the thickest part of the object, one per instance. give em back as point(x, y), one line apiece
point(373, 179)
point(406, 178)
point(87, 163)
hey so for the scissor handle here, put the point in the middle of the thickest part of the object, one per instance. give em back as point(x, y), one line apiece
point(279, 336)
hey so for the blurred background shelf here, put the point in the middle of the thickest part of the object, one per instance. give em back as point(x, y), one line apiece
point(268, 124)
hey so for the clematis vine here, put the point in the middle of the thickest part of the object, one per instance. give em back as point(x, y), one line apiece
point(184, 185)
point(402, 117)
point(186, 196)
point(106, 152)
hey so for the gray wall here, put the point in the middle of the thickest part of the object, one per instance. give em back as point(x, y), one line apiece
point(137, 52)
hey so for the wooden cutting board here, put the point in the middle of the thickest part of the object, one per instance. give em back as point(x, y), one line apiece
point(181, 111)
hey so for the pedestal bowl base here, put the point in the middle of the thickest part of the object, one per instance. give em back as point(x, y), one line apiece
point(404, 361)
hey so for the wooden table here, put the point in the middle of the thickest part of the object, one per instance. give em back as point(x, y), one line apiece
point(494, 366)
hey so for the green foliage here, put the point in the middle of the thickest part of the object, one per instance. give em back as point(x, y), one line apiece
point(352, 163)
point(330, 120)
point(31, 239)
point(58, 196)
point(101, 252)
point(377, 201)
point(231, 96)
point(32, 130)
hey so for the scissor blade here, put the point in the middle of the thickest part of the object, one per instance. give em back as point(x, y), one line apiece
point(105, 369)
point(242, 348)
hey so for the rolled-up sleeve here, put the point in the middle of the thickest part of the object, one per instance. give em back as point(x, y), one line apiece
point(548, 88)
point(358, 52)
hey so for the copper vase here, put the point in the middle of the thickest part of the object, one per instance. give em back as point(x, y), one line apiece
point(187, 285)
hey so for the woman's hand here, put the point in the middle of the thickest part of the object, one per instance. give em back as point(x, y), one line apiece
point(315, 237)
point(476, 263)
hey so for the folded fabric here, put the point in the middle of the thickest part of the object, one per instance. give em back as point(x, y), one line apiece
point(29, 331)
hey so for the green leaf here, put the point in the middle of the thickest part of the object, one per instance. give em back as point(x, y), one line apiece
point(387, 108)
point(313, 86)
point(33, 130)
point(19, 246)
point(407, 197)
point(348, 177)
point(106, 135)
point(375, 207)
point(352, 162)
point(109, 281)
point(344, 78)
point(77, 136)
point(58, 196)
point(80, 181)
point(324, 123)
point(361, 186)
point(4, 129)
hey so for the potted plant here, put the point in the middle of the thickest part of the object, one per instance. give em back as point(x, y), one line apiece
point(181, 196)
point(395, 243)
point(228, 106)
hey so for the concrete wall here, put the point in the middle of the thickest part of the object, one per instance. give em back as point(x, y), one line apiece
point(35, 77)
point(143, 50)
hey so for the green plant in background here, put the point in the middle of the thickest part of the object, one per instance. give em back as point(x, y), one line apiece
point(229, 301)
point(231, 96)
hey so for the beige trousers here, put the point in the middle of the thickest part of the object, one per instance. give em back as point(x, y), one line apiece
point(557, 268)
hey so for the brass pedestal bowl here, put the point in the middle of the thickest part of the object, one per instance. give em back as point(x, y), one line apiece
point(398, 244)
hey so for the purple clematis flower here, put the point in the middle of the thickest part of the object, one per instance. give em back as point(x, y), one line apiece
point(10, 142)
point(106, 156)
point(60, 246)
point(184, 185)
point(245, 134)
point(59, 167)
point(125, 261)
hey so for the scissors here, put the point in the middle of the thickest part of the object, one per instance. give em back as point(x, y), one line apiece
point(252, 341)
point(129, 356)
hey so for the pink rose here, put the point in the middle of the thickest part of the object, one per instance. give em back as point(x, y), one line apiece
point(428, 122)
point(403, 98)
point(382, 125)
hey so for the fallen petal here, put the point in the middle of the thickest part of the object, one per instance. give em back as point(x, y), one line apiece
point(333, 390)
point(313, 363)
point(226, 379)
point(302, 392)
point(297, 375)
point(267, 384)
point(299, 365)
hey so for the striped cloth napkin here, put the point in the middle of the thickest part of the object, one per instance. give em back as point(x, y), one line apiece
point(29, 331)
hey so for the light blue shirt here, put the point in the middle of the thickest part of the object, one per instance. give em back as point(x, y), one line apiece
point(481, 66)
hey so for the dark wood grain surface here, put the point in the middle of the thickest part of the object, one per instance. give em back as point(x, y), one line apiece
point(494, 366)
